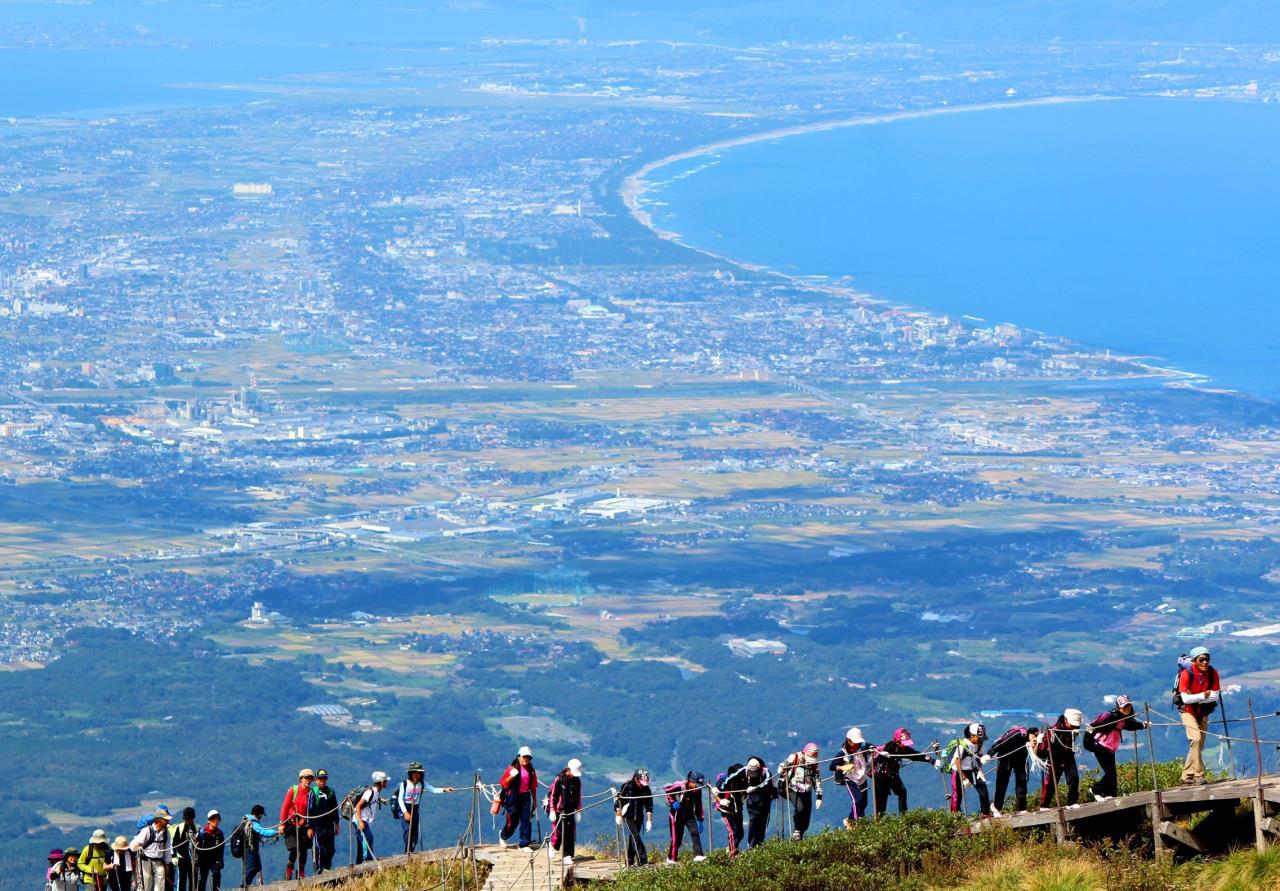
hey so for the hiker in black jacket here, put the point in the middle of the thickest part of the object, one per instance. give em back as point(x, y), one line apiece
point(760, 793)
point(633, 811)
point(886, 766)
point(210, 853)
point(1058, 748)
point(1012, 752)
point(728, 794)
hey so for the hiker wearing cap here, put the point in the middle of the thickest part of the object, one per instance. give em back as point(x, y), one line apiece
point(633, 810)
point(801, 781)
point(563, 804)
point(849, 769)
point(210, 853)
point(1103, 738)
point(519, 786)
point(1197, 696)
point(760, 794)
point(65, 875)
point(407, 801)
point(252, 832)
point(366, 810)
point(95, 859)
point(120, 869)
point(295, 823)
point(1014, 751)
point(728, 795)
point(963, 761)
point(886, 767)
point(154, 848)
point(325, 820)
point(186, 835)
point(1057, 748)
point(684, 799)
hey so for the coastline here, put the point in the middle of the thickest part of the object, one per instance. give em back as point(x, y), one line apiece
point(634, 186)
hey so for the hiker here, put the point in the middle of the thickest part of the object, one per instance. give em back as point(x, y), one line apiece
point(800, 780)
point(154, 848)
point(886, 767)
point(407, 800)
point(684, 799)
point(1013, 751)
point(120, 871)
point(1103, 739)
point(759, 797)
point(1057, 748)
point(519, 786)
point(185, 837)
point(325, 820)
point(366, 810)
point(94, 860)
point(849, 769)
point(964, 760)
point(563, 805)
point(729, 795)
point(65, 875)
point(633, 810)
point(295, 813)
point(210, 853)
point(252, 832)
point(1197, 695)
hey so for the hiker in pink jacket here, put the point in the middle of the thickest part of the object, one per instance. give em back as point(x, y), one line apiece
point(1103, 739)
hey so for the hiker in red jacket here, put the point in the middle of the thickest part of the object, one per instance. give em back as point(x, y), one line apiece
point(295, 825)
point(1198, 692)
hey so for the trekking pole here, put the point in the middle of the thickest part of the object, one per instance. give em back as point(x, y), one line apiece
point(711, 823)
point(1226, 734)
point(1136, 764)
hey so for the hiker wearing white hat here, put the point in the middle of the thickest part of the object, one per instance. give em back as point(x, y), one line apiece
point(366, 809)
point(210, 853)
point(850, 769)
point(1058, 746)
point(519, 785)
point(154, 847)
point(1103, 738)
point(563, 802)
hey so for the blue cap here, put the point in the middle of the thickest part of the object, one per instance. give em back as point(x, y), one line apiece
point(1198, 651)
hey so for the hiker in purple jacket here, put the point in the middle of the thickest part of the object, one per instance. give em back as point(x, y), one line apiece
point(1103, 739)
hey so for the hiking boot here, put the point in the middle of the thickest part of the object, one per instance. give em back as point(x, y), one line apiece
point(568, 861)
point(502, 842)
point(288, 873)
point(995, 812)
point(302, 874)
point(670, 862)
point(699, 858)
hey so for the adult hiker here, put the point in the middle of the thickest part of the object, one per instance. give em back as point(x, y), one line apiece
point(252, 832)
point(633, 811)
point(65, 875)
point(1197, 696)
point(325, 820)
point(850, 769)
point(684, 800)
point(759, 797)
point(1103, 739)
point(1057, 748)
point(366, 811)
point(186, 835)
point(120, 872)
point(55, 860)
point(295, 823)
point(519, 785)
point(407, 801)
point(154, 848)
point(729, 794)
point(210, 853)
point(886, 767)
point(964, 760)
point(1014, 751)
point(800, 780)
point(95, 860)
point(564, 803)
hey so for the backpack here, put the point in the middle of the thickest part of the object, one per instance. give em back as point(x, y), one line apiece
point(236, 843)
point(949, 754)
point(1101, 723)
point(347, 807)
point(396, 810)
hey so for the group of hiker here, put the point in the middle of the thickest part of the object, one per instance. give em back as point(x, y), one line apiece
point(169, 855)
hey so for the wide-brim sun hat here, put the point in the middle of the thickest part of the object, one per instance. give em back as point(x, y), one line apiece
point(120, 844)
point(99, 837)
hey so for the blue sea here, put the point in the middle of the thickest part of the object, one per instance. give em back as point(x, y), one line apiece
point(1148, 226)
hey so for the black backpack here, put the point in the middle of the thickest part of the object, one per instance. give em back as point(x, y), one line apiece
point(236, 843)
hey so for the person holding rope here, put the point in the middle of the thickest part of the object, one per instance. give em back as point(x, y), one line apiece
point(210, 853)
point(684, 799)
point(120, 871)
point(95, 861)
point(326, 821)
point(1103, 739)
point(252, 832)
point(366, 810)
point(186, 836)
point(759, 797)
point(519, 787)
point(1057, 747)
point(633, 810)
point(963, 761)
point(1196, 697)
point(564, 802)
point(849, 769)
point(295, 814)
point(154, 848)
point(886, 767)
point(1014, 751)
point(407, 801)
point(800, 780)
point(729, 794)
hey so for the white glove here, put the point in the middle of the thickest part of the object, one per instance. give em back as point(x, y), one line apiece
point(617, 819)
point(1212, 696)
point(817, 805)
point(648, 823)
point(985, 759)
point(554, 816)
point(577, 815)
point(964, 782)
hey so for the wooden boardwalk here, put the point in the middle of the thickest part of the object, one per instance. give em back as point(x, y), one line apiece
point(1161, 811)
point(516, 870)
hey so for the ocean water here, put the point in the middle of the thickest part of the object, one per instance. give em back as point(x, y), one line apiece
point(1144, 225)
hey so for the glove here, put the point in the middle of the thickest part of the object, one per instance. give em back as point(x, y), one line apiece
point(577, 815)
point(617, 819)
point(648, 823)
point(964, 782)
point(985, 759)
point(817, 805)
point(1212, 696)
point(554, 816)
